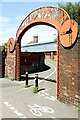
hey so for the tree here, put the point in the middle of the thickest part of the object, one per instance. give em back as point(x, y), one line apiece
point(73, 9)
point(5, 45)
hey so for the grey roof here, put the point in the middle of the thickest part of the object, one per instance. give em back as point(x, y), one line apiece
point(39, 47)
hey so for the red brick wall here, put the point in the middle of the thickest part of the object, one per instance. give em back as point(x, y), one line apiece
point(31, 61)
point(28, 59)
point(49, 56)
point(10, 65)
point(70, 74)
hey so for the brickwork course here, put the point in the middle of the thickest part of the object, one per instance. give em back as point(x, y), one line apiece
point(70, 74)
point(10, 65)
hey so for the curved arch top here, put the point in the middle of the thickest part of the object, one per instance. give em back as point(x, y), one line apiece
point(50, 15)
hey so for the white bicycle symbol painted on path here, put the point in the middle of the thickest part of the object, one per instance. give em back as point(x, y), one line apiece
point(38, 110)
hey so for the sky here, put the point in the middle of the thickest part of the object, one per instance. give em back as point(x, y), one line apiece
point(12, 13)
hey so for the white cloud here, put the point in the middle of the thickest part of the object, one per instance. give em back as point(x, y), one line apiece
point(44, 33)
point(6, 34)
point(4, 19)
point(1, 32)
point(20, 17)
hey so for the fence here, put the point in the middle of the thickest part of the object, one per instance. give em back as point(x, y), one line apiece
point(2, 64)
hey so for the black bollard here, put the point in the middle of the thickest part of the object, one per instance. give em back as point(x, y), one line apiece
point(26, 78)
point(36, 80)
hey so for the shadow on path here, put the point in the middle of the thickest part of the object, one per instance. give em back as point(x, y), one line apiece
point(23, 78)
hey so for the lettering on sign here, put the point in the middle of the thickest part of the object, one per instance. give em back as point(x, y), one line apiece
point(52, 13)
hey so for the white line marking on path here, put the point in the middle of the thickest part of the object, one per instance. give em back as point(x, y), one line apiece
point(19, 114)
point(42, 94)
point(39, 110)
point(46, 95)
point(52, 117)
point(50, 98)
point(49, 75)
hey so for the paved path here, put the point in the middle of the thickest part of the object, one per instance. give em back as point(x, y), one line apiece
point(19, 102)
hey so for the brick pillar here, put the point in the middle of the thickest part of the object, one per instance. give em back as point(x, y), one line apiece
point(18, 66)
point(58, 69)
point(69, 78)
point(10, 64)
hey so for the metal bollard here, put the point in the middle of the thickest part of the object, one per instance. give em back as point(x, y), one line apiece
point(36, 80)
point(26, 78)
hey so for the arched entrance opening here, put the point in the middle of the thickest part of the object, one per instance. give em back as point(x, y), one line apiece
point(46, 50)
point(44, 34)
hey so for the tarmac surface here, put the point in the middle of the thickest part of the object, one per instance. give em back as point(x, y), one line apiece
point(16, 101)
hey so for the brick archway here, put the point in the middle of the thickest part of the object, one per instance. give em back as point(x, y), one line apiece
point(67, 80)
point(51, 16)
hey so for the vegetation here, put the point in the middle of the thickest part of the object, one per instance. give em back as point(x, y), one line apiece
point(13, 79)
point(25, 86)
point(3, 47)
point(35, 89)
point(73, 9)
point(6, 75)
